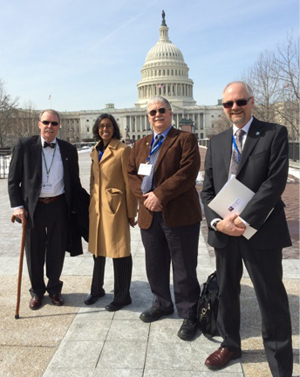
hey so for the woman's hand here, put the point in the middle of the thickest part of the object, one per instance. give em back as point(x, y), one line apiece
point(132, 222)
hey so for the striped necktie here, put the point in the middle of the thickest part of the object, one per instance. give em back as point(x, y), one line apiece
point(147, 184)
point(236, 155)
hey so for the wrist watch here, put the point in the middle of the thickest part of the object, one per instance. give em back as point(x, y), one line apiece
point(214, 225)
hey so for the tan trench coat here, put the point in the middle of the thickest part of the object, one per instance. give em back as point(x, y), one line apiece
point(112, 202)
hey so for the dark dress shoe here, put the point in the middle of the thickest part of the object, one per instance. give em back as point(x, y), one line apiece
point(57, 299)
point(220, 358)
point(153, 314)
point(35, 302)
point(188, 329)
point(90, 299)
point(113, 306)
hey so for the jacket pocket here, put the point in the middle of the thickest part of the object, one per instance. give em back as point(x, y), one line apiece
point(114, 199)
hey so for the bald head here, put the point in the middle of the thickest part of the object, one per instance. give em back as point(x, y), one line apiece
point(238, 102)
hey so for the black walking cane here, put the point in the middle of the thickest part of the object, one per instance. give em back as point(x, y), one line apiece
point(20, 262)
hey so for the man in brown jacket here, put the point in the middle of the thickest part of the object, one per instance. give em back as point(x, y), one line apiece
point(162, 172)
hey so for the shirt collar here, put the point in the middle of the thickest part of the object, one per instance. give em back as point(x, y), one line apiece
point(245, 128)
point(163, 133)
point(43, 140)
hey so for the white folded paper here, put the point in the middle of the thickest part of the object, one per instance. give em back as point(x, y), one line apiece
point(233, 198)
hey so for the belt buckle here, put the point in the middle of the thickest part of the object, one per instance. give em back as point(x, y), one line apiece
point(47, 200)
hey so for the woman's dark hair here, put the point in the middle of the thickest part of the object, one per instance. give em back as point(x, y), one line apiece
point(116, 134)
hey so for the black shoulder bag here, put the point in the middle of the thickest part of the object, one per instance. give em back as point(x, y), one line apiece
point(207, 310)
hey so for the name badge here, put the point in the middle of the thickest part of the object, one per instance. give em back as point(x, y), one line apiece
point(145, 169)
point(47, 188)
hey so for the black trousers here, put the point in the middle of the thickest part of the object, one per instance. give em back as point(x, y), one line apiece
point(122, 278)
point(45, 243)
point(179, 245)
point(265, 270)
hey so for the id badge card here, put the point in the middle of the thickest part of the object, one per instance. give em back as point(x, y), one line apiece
point(47, 188)
point(145, 169)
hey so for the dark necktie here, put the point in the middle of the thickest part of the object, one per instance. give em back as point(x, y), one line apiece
point(51, 145)
point(236, 155)
point(147, 184)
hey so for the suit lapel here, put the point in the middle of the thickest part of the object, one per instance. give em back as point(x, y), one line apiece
point(109, 150)
point(145, 150)
point(64, 155)
point(254, 134)
point(169, 140)
point(95, 155)
point(65, 162)
point(36, 150)
point(226, 147)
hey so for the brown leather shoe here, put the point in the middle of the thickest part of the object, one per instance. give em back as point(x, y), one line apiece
point(35, 302)
point(220, 358)
point(57, 299)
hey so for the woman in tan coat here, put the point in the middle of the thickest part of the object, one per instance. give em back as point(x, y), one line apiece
point(112, 209)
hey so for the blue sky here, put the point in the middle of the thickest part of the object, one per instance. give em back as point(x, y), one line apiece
point(88, 53)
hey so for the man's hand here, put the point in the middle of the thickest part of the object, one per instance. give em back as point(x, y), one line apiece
point(231, 226)
point(20, 213)
point(152, 202)
point(239, 223)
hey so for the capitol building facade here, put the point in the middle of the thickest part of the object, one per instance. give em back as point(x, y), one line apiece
point(164, 73)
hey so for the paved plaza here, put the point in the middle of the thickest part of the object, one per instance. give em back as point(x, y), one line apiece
point(76, 340)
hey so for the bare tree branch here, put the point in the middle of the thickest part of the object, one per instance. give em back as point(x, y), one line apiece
point(7, 116)
point(275, 81)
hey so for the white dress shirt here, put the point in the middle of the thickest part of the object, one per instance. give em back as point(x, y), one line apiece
point(246, 130)
point(53, 182)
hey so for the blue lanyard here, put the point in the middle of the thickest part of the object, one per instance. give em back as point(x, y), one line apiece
point(236, 148)
point(154, 149)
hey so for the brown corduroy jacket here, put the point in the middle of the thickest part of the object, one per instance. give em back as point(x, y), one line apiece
point(175, 176)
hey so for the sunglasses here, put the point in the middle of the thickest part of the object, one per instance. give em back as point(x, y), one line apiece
point(46, 123)
point(239, 102)
point(162, 110)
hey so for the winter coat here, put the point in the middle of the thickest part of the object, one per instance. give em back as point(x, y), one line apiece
point(112, 202)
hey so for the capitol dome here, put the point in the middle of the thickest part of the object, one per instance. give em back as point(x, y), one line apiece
point(165, 73)
point(164, 50)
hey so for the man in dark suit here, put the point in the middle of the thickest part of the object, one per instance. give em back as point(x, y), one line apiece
point(162, 173)
point(44, 187)
point(262, 166)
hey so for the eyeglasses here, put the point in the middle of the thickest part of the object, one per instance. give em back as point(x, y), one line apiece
point(101, 127)
point(162, 110)
point(239, 102)
point(46, 123)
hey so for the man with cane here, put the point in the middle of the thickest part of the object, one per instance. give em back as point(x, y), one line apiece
point(44, 187)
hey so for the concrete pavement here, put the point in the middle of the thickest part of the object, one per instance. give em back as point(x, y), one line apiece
point(77, 340)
